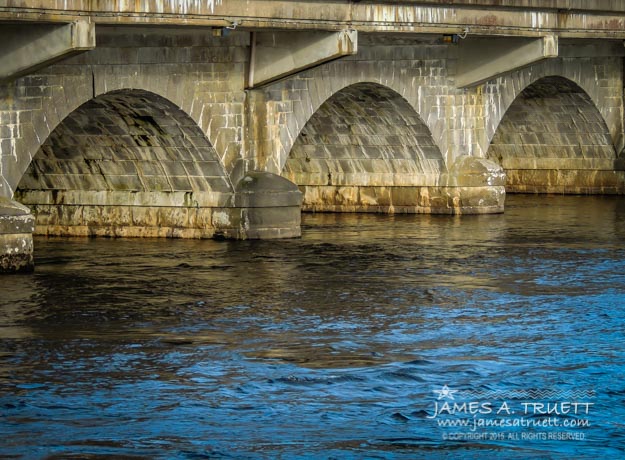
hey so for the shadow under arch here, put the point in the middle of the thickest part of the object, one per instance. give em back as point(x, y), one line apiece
point(116, 158)
point(363, 142)
point(553, 139)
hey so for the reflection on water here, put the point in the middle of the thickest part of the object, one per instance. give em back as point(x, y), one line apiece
point(335, 345)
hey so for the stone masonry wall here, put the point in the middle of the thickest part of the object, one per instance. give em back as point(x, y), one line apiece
point(138, 137)
point(204, 76)
point(315, 122)
point(125, 159)
point(552, 119)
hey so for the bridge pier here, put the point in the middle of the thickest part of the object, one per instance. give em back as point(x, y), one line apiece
point(16, 237)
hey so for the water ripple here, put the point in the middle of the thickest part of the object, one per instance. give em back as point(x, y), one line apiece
point(338, 345)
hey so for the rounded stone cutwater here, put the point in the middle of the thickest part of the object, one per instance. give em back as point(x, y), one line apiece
point(16, 237)
point(266, 206)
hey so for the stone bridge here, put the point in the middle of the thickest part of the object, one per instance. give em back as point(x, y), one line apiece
point(200, 119)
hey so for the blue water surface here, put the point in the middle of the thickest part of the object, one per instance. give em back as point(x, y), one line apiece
point(370, 337)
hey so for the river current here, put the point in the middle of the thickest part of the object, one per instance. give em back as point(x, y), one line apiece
point(372, 336)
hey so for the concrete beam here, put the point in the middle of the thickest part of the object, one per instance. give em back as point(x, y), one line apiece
point(279, 54)
point(482, 59)
point(599, 19)
point(25, 48)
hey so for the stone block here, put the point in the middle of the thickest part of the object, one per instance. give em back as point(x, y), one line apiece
point(200, 184)
point(181, 183)
point(124, 183)
point(172, 217)
point(145, 216)
point(157, 183)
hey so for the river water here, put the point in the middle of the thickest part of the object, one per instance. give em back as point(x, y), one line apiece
point(370, 337)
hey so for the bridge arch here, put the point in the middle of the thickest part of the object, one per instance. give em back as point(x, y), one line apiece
point(365, 134)
point(366, 149)
point(553, 138)
point(291, 103)
point(126, 163)
point(36, 104)
point(584, 73)
point(127, 140)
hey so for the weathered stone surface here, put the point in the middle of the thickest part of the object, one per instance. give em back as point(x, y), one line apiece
point(277, 54)
point(575, 18)
point(405, 200)
point(27, 47)
point(260, 189)
point(123, 221)
point(564, 181)
point(16, 253)
point(422, 71)
point(16, 242)
point(127, 140)
point(10, 208)
point(259, 223)
point(367, 149)
point(482, 59)
point(204, 77)
point(264, 206)
point(159, 76)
